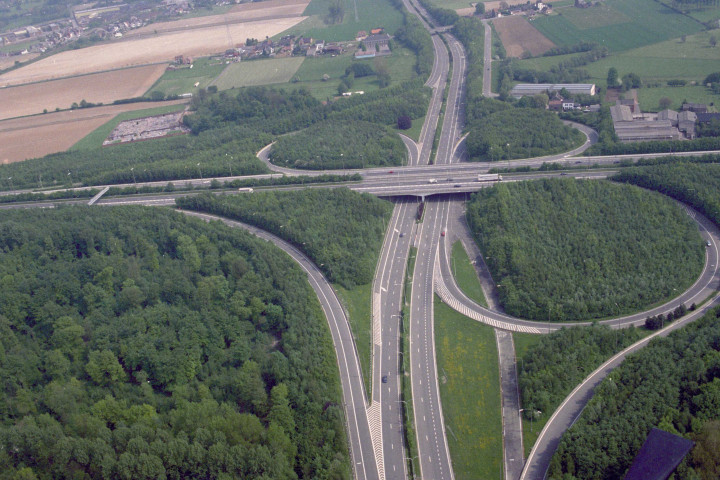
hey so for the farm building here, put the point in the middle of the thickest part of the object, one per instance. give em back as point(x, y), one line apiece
point(376, 40)
point(522, 89)
point(629, 129)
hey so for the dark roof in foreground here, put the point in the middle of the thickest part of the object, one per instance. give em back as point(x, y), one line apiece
point(659, 456)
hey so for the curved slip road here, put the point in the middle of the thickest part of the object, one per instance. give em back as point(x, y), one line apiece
point(361, 449)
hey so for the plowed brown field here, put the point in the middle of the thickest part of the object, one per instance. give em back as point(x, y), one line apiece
point(518, 35)
point(40, 135)
point(103, 87)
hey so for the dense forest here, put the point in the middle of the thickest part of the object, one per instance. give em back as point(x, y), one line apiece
point(470, 32)
point(340, 230)
point(562, 249)
point(414, 36)
point(694, 184)
point(278, 112)
point(343, 144)
point(520, 133)
point(139, 343)
point(550, 370)
point(672, 384)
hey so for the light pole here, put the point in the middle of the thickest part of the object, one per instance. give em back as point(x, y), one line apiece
point(132, 170)
point(199, 170)
point(11, 183)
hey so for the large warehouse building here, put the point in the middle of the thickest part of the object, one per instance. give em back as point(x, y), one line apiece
point(524, 89)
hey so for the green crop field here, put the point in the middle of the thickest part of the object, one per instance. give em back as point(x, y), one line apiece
point(649, 22)
point(370, 14)
point(465, 275)
point(595, 17)
point(400, 65)
point(95, 138)
point(469, 381)
point(182, 80)
point(690, 60)
point(649, 98)
point(258, 72)
point(452, 4)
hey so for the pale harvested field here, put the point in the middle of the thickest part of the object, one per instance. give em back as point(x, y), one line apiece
point(518, 35)
point(142, 51)
point(245, 12)
point(7, 62)
point(103, 87)
point(37, 136)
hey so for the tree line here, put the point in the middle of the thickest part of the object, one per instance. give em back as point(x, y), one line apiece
point(692, 183)
point(672, 384)
point(567, 250)
point(140, 343)
point(342, 144)
point(340, 230)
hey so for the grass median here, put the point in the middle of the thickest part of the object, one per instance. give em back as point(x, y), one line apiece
point(469, 380)
point(465, 275)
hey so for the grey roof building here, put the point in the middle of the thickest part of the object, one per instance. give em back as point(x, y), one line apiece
point(524, 89)
point(671, 115)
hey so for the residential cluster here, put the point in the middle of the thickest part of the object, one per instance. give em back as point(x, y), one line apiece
point(632, 125)
point(529, 8)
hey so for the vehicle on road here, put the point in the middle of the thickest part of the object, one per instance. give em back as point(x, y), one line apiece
point(432, 180)
point(457, 185)
point(563, 174)
point(708, 244)
point(391, 171)
point(442, 234)
point(489, 177)
point(384, 379)
point(402, 234)
point(246, 190)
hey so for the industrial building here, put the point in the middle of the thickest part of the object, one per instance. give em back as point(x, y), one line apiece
point(526, 89)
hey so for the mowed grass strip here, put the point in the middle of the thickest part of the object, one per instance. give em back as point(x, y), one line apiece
point(258, 72)
point(469, 382)
point(357, 302)
point(600, 16)
point(465, 275)
point(650, 23)
point(649, 98)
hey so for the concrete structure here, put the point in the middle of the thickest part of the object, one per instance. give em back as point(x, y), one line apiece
point(523, 89)
point(629, 129)
point(686, 123)
point(671, 115)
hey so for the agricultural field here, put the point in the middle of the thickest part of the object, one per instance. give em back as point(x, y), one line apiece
point(495, 4)
point(690, 60)
point(453, 4)
point(183, 80)
point(146, 50)
point(649, 98)
point(469, 381)
point(7, 62)
point(359, 15)
point(704, 13)
point(95, 88)
point(40, 135)
point(647, 22)
point(518, 36)
point(246, 12)
point(258, 72)
point(400, 66)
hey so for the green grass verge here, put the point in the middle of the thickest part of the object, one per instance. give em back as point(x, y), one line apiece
point(408, 415)
point(650, 22)
point(95, 138)
point(469, 381)
point(183, 80)
point(258, 72)
point(452, 4)
point(465, 274)
point(414, 131)
point(358, 304)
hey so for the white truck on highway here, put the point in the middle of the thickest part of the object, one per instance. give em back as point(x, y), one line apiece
point(489, 177)
point(432, 180)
